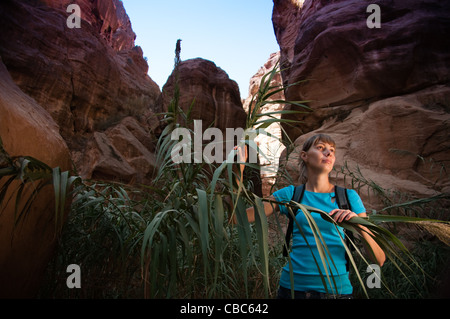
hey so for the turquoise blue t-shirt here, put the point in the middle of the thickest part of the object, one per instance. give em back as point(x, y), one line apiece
point(305, 272)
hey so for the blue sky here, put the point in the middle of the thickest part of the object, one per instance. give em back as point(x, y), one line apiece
point(237, 35)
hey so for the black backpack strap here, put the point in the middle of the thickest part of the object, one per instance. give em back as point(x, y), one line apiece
point(341, 197)
point(297, 197)
point(344, 203)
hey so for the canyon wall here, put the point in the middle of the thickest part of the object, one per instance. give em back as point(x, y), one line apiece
point(88, 79)
point(93, 81)
point(81, 99)
point(382, 93)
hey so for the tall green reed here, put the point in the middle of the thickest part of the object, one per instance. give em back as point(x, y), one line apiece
point(190, 238)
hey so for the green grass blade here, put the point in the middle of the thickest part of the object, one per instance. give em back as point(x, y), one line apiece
point(203, 221)
point(263, 242)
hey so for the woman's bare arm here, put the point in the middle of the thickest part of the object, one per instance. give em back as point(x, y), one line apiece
point(376, 254)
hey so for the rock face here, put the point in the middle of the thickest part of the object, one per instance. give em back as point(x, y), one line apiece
point(27, 129)
point(108, 18)
point(87, 78)
point(124, 152)
point(215, 96)
point(216, 102)
point(347, 64)
point(80, 95)
point(83, 95)
point(383, 93)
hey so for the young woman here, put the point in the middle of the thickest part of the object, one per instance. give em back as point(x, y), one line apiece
point(317, 161)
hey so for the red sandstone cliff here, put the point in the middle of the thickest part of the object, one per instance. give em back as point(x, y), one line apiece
point(83, 95)
point(216, 97)
point(87, 78)
point(68, 94)
point(382, 93)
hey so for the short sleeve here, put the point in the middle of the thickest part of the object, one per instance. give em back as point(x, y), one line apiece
point(355, 202)
point(284, 195)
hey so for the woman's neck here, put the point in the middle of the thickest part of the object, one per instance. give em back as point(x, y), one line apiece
point(319, 184)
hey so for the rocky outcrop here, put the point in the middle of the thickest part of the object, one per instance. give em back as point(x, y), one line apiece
point(215, 97)
point(383, 93)
point(124, 153)
point(215, 101)
point(26, 248)
point(87, 78)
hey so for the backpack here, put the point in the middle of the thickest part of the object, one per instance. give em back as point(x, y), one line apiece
point(342, 202)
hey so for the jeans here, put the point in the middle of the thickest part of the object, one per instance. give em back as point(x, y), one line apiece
point(285, 293)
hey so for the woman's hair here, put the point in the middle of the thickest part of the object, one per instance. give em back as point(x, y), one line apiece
point(313, 140)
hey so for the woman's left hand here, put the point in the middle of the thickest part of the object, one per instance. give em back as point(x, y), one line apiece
point(340, 215)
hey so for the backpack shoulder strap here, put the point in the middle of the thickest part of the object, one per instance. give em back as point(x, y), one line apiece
point(298, 193)
point(341, 197)
point(344, 203)
point(297, 197)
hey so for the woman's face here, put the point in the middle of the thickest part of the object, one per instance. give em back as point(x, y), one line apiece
point(320, 156)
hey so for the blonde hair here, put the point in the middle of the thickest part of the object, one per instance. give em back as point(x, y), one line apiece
point(313, 140)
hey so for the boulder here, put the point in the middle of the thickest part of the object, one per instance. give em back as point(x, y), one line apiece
point(123, 153)
point(25, 249)
point(215, 96)
point(215, 101)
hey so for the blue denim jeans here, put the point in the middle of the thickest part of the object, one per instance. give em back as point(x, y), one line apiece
point(285, 293)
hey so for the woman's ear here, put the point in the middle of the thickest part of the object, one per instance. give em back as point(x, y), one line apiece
point(303, 155)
